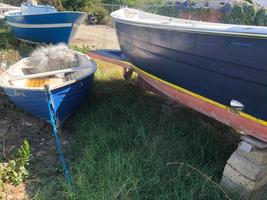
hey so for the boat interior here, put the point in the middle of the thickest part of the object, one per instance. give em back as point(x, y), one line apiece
point(13, 13)
point(17, 77)
point(137, 16)
point(30, 9)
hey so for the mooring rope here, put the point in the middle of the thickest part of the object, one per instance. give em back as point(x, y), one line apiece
point(53, 123)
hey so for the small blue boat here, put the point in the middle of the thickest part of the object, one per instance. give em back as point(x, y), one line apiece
point(43, 24)
point(68, 88)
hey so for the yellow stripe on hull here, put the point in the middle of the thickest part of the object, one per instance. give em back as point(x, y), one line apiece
point(247, 116)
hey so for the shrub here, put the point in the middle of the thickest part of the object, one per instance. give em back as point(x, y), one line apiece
point(249, 12)
point(15, 171)
point(260, 18)
point(13, 2)
point(243, 13)
point(7, 41)
point(99, 10)
point(78, 5)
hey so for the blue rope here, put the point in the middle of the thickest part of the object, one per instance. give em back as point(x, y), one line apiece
point(55, 131)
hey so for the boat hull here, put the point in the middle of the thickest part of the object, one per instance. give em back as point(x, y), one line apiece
point(45, 28)
point(239, 121)
point(214, 68)
point(65, 99)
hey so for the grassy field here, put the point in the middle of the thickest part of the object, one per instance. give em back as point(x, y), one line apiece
point(126, 143)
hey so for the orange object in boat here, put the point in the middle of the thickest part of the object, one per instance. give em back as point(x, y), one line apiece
point(38, 82)
point(41, 82)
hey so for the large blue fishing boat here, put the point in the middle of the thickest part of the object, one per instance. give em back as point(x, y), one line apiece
point(43, 24)
point(217, 69)
point(67, 88)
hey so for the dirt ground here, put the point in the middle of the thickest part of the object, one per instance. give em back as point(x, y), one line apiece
point(15, 125)
point(96, 37)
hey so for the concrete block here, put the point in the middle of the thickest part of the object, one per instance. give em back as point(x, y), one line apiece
point(247, 168)
point(260, 194)
point(254, 141)
point(244, 182)
point(242, 193)
point(258, 156)
point(246, 171)
point(230, 186)
point(245, 146)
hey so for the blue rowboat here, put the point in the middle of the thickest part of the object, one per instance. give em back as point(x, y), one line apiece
point(217, 69)
point(66, 92)
point(43, 24)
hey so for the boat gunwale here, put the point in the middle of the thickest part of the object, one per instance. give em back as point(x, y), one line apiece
point(6, 14)
point(70, 82)
point(118, 16)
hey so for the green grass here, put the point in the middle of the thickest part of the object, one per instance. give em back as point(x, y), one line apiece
point(83, 49)
point(126, 146)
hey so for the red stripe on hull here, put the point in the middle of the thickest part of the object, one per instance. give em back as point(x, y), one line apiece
point(226, 116)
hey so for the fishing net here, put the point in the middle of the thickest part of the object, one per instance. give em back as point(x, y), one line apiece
point(51, 58)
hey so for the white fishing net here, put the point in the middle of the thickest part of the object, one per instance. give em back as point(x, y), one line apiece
point(51, 58)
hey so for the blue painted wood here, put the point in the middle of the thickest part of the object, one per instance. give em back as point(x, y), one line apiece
point(65, 99)
point(42, 34)
point(49, 18)
point(218, 67)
